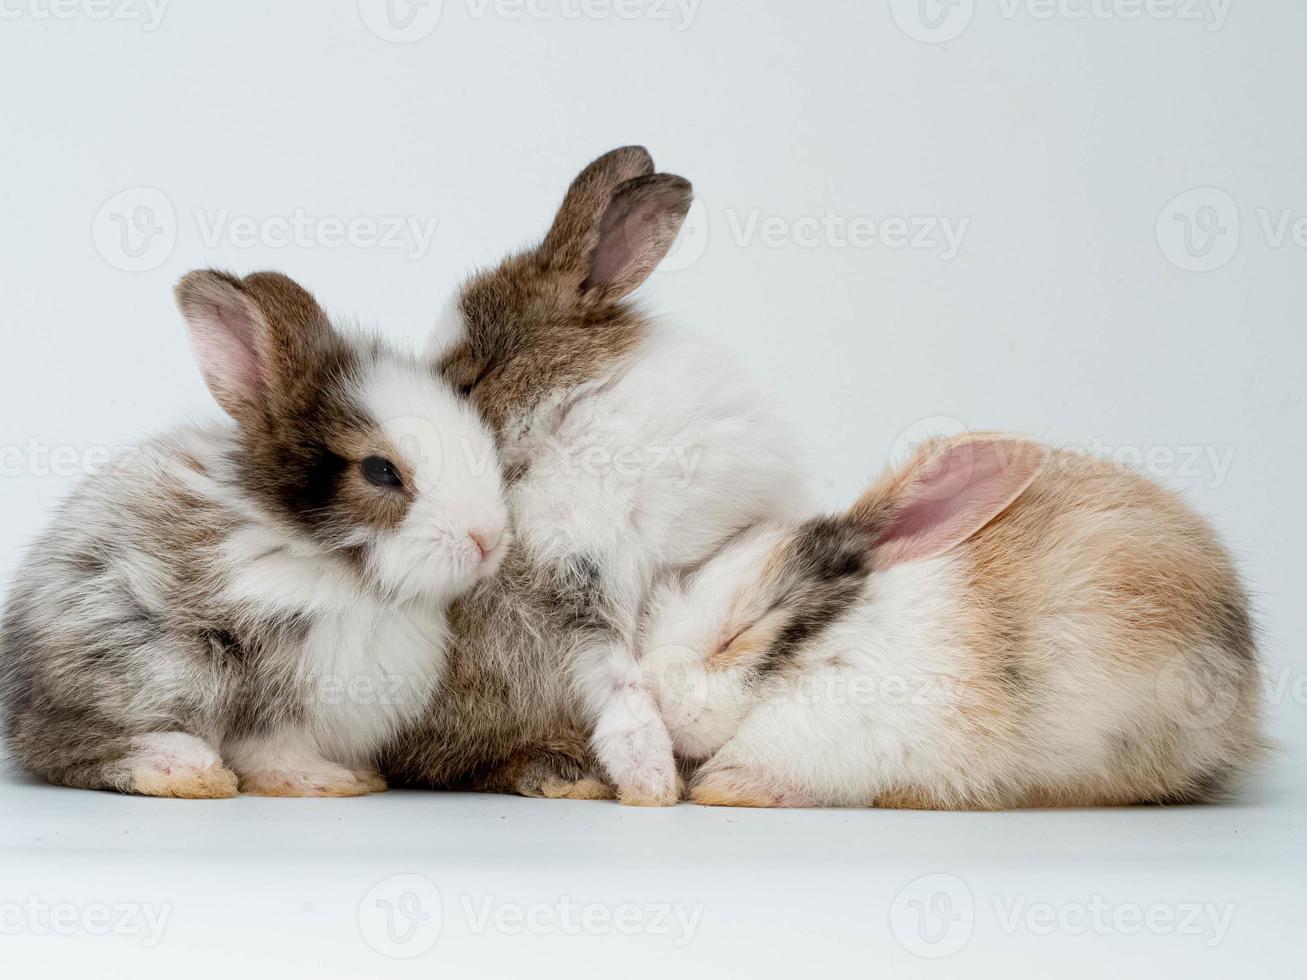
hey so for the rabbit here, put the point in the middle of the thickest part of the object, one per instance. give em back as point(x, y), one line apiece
point(257, 606)
point(996, 624)
point(629, 448)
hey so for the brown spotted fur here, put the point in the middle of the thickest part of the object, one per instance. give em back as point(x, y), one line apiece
point(506, 721)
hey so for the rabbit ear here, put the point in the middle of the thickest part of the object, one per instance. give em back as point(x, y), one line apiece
point(946, 494)
point(572, 236)
point(251, 337)
point(616, 223)
point(636, 231)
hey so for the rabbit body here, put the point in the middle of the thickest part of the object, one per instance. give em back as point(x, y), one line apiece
point(239, 602)
point(629, 449)
point(1081, 639)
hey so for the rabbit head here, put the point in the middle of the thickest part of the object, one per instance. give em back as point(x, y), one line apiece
point(557, 315)
point(366, 451)
point(714, 637)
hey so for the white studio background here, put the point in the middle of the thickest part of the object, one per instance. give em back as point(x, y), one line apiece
point(1081, 219)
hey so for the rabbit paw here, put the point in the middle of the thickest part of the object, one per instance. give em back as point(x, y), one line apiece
point(586, 788)
point(323, 780)
point(641, 764)
point(559, 767)
point(375, 782)
point(178, 765)
point(741, 786)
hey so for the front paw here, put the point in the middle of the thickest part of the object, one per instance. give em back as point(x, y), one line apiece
point(652, 792)
point(642, 766)
point(178, 765)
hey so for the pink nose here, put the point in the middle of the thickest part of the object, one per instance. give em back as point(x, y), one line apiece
point(486, 541)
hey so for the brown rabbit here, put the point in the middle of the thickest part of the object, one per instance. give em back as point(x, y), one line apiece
point(630, 450)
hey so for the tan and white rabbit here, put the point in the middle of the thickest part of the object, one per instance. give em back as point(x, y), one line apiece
point(261, 602)
point(630, 448)
point(994, 624)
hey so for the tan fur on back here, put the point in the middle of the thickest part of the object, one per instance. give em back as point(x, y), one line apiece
point(1096, 591)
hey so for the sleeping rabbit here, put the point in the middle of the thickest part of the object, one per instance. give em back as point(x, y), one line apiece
point(995, 624)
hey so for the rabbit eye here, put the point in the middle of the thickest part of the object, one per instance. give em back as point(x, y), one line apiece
point(382, 473)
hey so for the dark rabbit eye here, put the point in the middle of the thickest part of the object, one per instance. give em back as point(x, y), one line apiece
point(382, 473)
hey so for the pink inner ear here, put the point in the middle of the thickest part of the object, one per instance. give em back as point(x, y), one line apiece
point(955, 492)
point(225, 343)
point(636, 230)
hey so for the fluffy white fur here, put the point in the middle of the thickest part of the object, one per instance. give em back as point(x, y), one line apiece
point(868, 706)
point(1127, 681)
point(372, 657)
point(457, 477)
point(161, 561)
point(647, 470)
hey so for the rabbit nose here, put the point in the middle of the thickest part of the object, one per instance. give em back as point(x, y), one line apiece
point(486, 540)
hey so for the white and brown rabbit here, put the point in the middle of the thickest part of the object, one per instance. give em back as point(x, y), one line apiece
point(629, 449)
point(263, 603)
point(995, 624)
